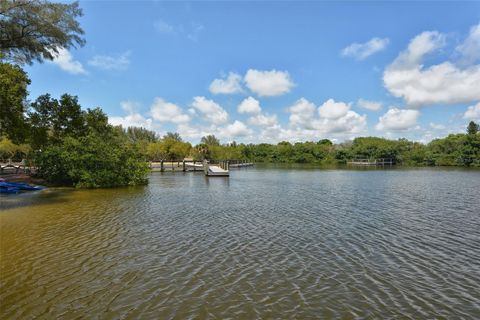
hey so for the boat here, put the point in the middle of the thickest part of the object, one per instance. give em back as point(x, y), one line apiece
point(15, 187)
point(8, 190)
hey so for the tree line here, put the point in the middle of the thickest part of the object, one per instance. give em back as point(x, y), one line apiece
point(453, 150)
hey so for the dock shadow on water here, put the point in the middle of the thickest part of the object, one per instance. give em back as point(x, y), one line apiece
point(266, 243)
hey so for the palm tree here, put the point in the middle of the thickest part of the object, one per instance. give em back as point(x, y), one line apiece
point(210, 140)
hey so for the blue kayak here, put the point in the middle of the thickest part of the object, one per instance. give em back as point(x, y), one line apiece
point(4, 189)
point(5, 186)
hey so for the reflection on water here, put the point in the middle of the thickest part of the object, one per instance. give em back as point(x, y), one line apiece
point(264, 243)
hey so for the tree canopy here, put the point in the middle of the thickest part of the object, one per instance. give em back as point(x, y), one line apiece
point(37, 29)
point(472, 128)
point(210, 140)
point(13, 94)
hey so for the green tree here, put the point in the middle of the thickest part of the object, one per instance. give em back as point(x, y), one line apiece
point(210, 140)
point(156, 151)
point(325, 142)
point(137, 134)
point(13, 93)
point(92, 161)
point(52, 120)
point(173, 136)
point(38, 29)
point(472, 128)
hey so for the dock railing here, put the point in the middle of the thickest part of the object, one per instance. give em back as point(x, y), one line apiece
point(195, 165)
point(371, 162)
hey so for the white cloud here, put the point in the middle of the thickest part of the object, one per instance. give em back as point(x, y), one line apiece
point(263, 120)
point(133, 117)
point(473, 112)
point(105, 62)
point(397, 119)
point(66, 62)
point(163, 27)
point(249, 105)
point(421, 45)
point(130, 106)
point(369, 105)
point(335, 119)
point(235, 129)
point(227, 86)
point(212, 112)
point(333, 110)
point(350, 123)
point(361, 51)
point(301, 113)
point(470, 48)
point(442, 83)
point(268, 83)
point(164, 111)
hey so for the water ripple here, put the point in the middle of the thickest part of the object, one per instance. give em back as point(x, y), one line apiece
point(266, 243)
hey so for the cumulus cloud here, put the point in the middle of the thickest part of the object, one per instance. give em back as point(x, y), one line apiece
point(164, 111)
point(263, 120)
point(334, 118)
point(66, 62)
point(361, 51)
point(232, 84)
point(133, 117)
point(268, 83)
point(105, 62)
point(235, 129)
point(369, 105)
point(470, 48)
point(301, 113)
point(211, 111)
point(443, 83)
point(473, 112)
point(249, 105)
point(333, 110)
point(397, 119)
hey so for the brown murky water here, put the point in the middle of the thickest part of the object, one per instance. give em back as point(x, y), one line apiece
point(265, 243)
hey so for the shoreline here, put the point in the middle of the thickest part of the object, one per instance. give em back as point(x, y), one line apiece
point(23, 177)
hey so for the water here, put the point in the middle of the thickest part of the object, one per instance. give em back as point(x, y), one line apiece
point(265, 243)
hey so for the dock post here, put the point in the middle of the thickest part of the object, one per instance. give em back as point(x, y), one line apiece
point(161, 166)
point(205, 167)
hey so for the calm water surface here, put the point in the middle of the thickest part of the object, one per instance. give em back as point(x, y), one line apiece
point(266, 243)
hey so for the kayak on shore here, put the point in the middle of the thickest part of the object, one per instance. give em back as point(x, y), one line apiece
point(16, 187)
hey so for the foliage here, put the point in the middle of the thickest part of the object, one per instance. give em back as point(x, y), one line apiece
point(173, 136)
point(136, 134)
point(52, 120)
point(210, 140)
point(13, 92)
point(168, 148)
point(79, 148)
point(38, 29)
point(472, 128)
point(455, 150)
point(10, 150)
point(92, 161)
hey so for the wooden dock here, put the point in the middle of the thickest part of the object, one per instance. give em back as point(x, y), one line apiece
point(171, 165)
point(371, 162)
point(214, 168)
point(12, 165)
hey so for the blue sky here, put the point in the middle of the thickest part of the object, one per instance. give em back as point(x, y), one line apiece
point(273, 71)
